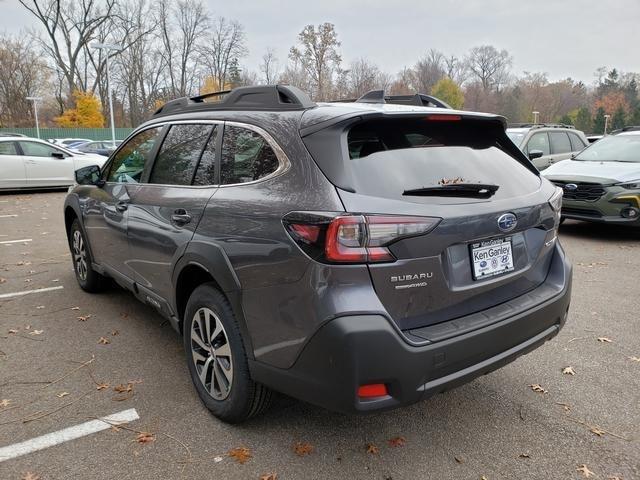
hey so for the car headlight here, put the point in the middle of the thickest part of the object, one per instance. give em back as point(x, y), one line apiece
point(632, 185)
point(556, 200)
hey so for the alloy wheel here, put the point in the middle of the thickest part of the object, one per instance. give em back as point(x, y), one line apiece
point(79, 255)
point(211, 353)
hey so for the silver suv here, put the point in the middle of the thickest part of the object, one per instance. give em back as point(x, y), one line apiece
point(546, 144)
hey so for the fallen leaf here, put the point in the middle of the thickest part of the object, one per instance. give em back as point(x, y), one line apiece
point(39, 307)
point(458, 459)
point(36, 332)
point(27, 280)
point(566, 406)
point(397, 442)
point(538, 388)
point(115, 428)
point(3, 280)
point(524, 455)
point(75, 308)
point(217, 459)
point(145, 437)
point(122, 388)
point(30, 476)
point(614, 478)
point(302, 449)
point(586, 473)
point(597, 431)
point(5, 402)
point(103, 341)
point(372, 449)
point(269, 476)
point(568, 371)
point(483, 478)
point(102, 386)
point(124, 315)
point(13, 330)
point(635, 359)
point(62, 394)
point(84, 318)
point(604, 340)
point(240, 454)
point(115, 332)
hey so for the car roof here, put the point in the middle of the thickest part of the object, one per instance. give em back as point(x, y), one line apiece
point(630, 133)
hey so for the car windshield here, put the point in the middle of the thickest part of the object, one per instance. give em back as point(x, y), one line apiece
point(516, 137)
point(613, 148)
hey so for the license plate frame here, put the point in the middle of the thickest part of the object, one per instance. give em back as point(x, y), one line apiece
point(489, 258)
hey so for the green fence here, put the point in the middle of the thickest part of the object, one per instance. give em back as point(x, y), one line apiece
point(91, 133)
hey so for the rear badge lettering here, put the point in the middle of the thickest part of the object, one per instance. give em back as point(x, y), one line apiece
point(411, 278)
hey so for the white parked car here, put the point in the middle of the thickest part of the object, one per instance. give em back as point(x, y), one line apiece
point(33, 163)
point(66, 142)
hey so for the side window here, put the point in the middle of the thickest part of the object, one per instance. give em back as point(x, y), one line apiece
point(34, 149)
point(206, 173)
point(246, 156)
point(179, 154)
point(8, 148)
point(128, 164)
point(539, 141)
point(576, 142)
point(560, 142)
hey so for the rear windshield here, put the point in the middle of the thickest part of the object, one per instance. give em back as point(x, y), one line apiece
point(390, 156)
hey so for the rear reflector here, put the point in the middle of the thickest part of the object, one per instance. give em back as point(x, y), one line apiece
point(372, 390)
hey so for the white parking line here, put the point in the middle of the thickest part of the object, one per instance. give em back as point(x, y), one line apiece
point(67, 434)
point(6, 242)
point(8, 216)
point(27, 292)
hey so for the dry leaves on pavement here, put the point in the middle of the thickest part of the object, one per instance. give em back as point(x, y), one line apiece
point(30, 476)
point(5, 402)
point(536, 387)
point(604, 339)
point(584, 470)
point(240, 454)
point(36, 332)
point(62, 394)
point(269, 476)
point(102, 386)
point(84, 318)
point(104, 341)
point(397, 442)
point(568, 371)
point(301, 449)
point(123, 388)
point(145, 437)
point(372, 449)
point(635, 359)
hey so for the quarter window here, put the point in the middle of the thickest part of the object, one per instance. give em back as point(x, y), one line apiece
point(539, 141)
point(179, 154)
point(560, 142)
point(246, 156)
point(206, 172)
point(8, 148)
point(128, 164)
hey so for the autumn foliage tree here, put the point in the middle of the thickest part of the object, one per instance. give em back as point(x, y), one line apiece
point(87, 112)
point(448, 91)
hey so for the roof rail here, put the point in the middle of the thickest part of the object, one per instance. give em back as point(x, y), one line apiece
point(263, 97)
point(630, 128)
point(539, 125)
point(418, 99)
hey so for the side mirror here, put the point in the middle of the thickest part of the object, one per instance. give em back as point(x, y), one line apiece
point(533, 154)
point(89, 176)
point(58, 155)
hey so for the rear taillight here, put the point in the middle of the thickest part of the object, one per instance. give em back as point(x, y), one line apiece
point(352, 238)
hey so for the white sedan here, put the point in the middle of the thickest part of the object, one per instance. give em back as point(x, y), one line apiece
point(33, 163)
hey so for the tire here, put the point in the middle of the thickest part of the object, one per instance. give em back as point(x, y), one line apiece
point(220, 373)
point(562, 219)
point(88, 279)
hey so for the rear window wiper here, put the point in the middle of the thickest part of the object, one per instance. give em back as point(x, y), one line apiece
point(473, 190)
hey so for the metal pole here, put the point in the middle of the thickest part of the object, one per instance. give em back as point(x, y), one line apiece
point(35, 108)
point(113, 128)
point(606, 123)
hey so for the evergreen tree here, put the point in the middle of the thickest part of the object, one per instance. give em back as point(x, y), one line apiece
point(234, 73)
point(618, 119)
point(583, 120)
point(598, 121)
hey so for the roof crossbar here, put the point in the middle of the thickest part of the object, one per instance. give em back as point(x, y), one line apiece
point(263, 97)
point(418, 99)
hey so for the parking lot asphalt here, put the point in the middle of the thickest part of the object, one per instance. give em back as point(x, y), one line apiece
point(63, 351)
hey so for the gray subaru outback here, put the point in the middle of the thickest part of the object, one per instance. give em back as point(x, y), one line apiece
point(358, 255)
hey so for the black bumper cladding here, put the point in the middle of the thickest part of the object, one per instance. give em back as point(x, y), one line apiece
point(365, 349)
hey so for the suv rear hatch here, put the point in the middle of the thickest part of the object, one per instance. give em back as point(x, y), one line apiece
point(463, 170)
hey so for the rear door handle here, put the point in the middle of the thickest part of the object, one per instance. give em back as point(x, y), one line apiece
point(180, 217)
point(122, 206)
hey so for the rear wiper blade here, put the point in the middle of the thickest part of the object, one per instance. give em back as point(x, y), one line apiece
point(473, 190)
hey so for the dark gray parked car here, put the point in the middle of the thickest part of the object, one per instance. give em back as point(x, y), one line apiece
point(359, 256)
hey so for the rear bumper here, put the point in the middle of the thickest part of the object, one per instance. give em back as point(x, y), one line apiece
point(356, 350)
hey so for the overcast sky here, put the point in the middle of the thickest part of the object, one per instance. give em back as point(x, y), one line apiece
point(565, 38)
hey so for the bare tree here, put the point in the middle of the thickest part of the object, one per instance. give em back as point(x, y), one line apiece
point(269, 67)
point(69, 28)
point(318, 55)
point(489, 66)
point(402, 85)
point(225, 45)
point(456, 69)
point(296, 75)
point(363, 76)
point(428, 71)
point(22, 74)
